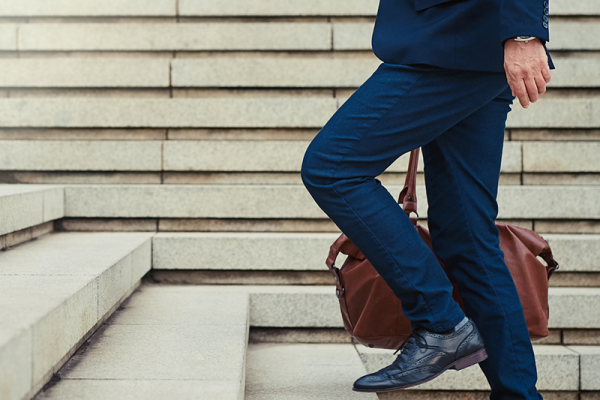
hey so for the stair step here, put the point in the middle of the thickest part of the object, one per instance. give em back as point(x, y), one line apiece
point(552, 362)
point(231, 36)
point(163, 342)
point(561, 157)
point(289, 8)
point(294, 201)
point(221, 156)
point(575, 253)
point(234, 72)
point(84, 72)
point(287, 112)
point(283, 201)
point(60, 8)
point(206, 36)
point(269, 71)
point(589, 361)
point(53, 292)
point(241, 251)
point(289, 306)
point(575, 70)
point(240, 156)
point(307, 251)
point(8, 37)
point(24, 206)
point(303, 371)
point(332, 8)
point(233, 8)
point(284, 112)
point(81, 155)
point(310, 72)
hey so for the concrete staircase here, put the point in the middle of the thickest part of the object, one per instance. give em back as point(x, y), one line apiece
point(56, 289)
point(147, 350)
point(164, 139)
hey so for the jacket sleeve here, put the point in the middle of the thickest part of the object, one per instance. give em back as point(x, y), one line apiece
point(524, 18)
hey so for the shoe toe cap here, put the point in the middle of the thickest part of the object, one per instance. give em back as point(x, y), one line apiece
point(372, 381)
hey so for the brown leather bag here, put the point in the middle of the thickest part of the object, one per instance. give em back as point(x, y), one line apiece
point(372, 313)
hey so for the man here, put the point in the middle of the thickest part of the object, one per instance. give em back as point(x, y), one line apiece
point(451, 69)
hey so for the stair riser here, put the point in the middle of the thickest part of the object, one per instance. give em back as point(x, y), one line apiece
point(219, 71)
point(280, 252)
point(318, 306)
point(237, 158)
point(294, 202)
point(285, 112)
point(171, 8)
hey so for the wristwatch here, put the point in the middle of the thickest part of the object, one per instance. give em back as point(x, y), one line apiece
point(524, 38)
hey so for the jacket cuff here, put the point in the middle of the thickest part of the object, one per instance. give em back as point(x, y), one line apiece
point(524, 18)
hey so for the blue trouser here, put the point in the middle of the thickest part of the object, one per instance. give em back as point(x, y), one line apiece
point(458, 118)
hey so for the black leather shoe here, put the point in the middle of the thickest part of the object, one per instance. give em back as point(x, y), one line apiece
point(425, 355)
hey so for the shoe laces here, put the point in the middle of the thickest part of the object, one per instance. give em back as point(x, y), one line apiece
point(414, 339)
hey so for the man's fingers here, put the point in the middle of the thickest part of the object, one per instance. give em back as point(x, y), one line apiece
point(532, 89)
point(540, 84)
point(546, 73)
point(519, 90)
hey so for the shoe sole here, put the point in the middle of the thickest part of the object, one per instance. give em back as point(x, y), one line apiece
point(459, 364)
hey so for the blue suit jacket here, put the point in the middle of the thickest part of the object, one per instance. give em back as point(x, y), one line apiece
point(457, 34)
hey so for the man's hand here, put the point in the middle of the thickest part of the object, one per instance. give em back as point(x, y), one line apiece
point(527, 71)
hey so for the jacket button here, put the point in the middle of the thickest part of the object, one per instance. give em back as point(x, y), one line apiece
point(546, 12)
point(545, 18)
point(545, 24)
point(545, 4)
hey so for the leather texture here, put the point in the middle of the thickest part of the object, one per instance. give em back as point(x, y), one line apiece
point(456, 34)
point(372, 313)
point(426, 355)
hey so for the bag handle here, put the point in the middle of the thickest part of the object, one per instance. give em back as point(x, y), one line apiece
point(552, 264)
point(408, 195)
point(334, 250)
point(408, 198)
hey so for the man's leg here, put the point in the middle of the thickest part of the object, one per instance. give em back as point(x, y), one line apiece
point(462, 168)
point(398, 109)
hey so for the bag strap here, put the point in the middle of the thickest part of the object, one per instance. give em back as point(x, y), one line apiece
point(408, 195)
